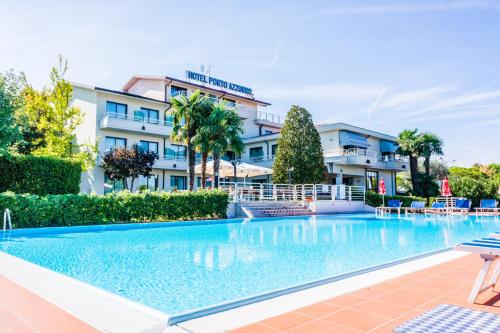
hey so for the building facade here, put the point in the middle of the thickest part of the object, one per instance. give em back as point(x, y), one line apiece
point(140, 114)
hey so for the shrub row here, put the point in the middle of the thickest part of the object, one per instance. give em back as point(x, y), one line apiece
point(375, 200)
point(80, 209)
point(40, 175)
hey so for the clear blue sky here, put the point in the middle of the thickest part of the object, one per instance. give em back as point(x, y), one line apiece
point(384, 65)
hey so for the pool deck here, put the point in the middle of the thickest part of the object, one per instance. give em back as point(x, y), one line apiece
point(383, 306)
point(23, 311)
point(376, 308)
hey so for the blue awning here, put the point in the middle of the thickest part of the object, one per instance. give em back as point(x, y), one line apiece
point(347, 138)
point(388, 146)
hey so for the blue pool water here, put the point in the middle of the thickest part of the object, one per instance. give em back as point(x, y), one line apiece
point(177, 269)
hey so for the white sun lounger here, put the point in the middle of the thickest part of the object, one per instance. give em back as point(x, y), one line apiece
point(489, 251)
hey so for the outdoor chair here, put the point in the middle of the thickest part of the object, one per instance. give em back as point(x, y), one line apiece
point(392, 205)
point(488, 206)
point(415, 207)
point(489, 250)
point(462, 206)
point(438, 207)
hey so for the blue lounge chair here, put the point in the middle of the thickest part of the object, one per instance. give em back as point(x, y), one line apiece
point(438, 207)
point(462, 206)
point(392, 205)
point(415, 207)
point(487, 206)
point(489, 251)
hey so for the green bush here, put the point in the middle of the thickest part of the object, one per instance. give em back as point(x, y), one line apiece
point(39, 175)
point(81, 209)
point(375, 200)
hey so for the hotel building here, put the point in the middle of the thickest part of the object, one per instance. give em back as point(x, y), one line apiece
point(140, 114)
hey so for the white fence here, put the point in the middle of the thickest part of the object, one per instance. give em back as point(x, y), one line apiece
point(286, 192)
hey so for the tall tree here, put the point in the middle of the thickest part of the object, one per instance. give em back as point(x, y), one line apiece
point(123, 163)
point(430, 144)
point(409, 145)
point(61, 118)
point(11, 86)
point(300, 154)
point(223, 130)
point(186, 114)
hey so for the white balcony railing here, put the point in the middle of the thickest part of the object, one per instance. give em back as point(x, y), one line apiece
point(305, 193)
point(351, 152)
point(138, 118)
point(270, 117)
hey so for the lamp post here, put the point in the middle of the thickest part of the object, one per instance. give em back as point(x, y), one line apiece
point(235, 163)
point(290, 170)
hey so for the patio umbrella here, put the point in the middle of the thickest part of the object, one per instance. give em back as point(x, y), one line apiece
point(225, 168)
point(445, 188)
point(251, 170)
point(381, 189)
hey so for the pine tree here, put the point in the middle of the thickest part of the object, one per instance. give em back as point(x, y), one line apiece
point(300, 155)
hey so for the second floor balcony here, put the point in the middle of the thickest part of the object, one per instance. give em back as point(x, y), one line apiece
point(367, 158)
point(270, 119)
point(135, 124)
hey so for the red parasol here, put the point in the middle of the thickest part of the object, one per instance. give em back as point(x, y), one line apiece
point(445, 188)
point(381, 187)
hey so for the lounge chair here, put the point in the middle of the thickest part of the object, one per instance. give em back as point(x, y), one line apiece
point(462, 206)
point(415, 207)
point(392, 205)
point(487, 206)
point(438, 207)
point(489, 251)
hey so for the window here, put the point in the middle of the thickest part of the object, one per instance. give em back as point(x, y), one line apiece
point(230, 102)
point(150, 115)
point(176, 91)
point(229, 156)
point(149, 146)
point(148, 183)
point(111, 143)
point(116, 109)
point(372, 180)
point(169, 119)
point(267, 132)
point(112, 185)
point(178, 182)
point(176, 150)
point(274, 150)
point(256, 152)
point(208, 183)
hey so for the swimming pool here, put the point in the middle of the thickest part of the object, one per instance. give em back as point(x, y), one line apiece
point(180, 268)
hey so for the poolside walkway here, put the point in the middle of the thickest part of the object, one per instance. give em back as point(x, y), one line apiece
point(383, 306)
point(22, 311)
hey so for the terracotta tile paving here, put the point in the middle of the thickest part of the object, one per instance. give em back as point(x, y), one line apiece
point(381, 307)
point(22, 311)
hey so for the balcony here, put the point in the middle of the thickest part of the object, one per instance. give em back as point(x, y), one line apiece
point(258, 160)
point(353, 156)
point(269, 119)
point(171, 162)
point(135, 124)
point(362, 157)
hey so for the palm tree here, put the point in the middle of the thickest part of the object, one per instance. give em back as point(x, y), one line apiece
point(186, 114)
point(224, 129)
point(202, 140)
point(409, 145)
point(430, 144)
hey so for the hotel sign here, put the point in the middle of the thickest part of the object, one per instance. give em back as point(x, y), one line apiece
point(217, 82)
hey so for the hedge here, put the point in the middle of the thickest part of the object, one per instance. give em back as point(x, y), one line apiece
point(40, 175)
point(82, 209)
point(375, 200)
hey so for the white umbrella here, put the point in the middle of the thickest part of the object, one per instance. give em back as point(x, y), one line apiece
point(243, 170)
point(251, 170)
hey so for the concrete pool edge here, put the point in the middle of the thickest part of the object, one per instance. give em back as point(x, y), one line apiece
point(95, 306)
point(225, 306)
